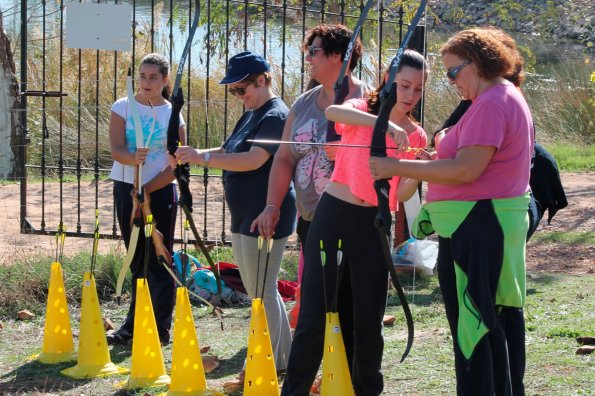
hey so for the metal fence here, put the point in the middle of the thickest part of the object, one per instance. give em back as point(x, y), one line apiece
point(66, 94)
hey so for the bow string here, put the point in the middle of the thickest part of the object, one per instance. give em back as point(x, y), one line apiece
point(383, 220)
point(182, 171)
point(342, 84)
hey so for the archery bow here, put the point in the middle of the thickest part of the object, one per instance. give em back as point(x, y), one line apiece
point(182, 171)
point(60, 236)
point(342, 84)
point(135, 217)
point(95, 242)
point(382, 222)
point(141, 207)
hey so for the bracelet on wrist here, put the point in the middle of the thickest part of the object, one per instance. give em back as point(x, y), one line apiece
point(271, 206)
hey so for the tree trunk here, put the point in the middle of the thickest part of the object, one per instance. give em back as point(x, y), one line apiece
point(9, 111)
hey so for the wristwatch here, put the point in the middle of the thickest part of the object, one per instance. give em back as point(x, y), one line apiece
point(207, 157)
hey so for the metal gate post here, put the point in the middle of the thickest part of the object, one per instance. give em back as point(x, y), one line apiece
point(24, 131)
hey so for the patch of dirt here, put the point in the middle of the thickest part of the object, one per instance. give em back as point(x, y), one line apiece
point(80, 212)
point(579, 216)
point(14, 246)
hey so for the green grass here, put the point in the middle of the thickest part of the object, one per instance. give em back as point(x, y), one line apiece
point(559, 308)
point(573, 157)
point(567, 237)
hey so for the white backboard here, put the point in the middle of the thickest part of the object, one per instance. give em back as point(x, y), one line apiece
point(99, 26)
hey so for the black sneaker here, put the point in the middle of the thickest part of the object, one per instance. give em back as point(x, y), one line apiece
point(120, 337)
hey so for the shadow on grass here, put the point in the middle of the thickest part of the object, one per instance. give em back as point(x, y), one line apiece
point(34, 376)
point(229, 366)
point(426, 291)
point(119, 353)
point(540, 280)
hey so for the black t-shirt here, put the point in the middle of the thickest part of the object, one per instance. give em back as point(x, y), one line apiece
point(246, 192)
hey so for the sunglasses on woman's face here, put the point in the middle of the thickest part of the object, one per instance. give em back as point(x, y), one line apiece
point(451, 73)
point(238, 91)
point(312, 50)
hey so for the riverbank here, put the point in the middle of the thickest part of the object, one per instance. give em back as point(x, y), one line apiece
point(562, 19)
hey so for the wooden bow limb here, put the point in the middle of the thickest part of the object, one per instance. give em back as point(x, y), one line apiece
point(164, 256)
point(128, 259)
point(156, 236)
point(136, 220)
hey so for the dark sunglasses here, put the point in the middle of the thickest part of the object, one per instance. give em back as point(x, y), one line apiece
point(312, 50)
point(451, 74)
point(238, 91)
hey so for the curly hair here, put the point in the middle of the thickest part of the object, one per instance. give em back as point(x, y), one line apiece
point(486, 48)
point(517, 76)
point(335, 39)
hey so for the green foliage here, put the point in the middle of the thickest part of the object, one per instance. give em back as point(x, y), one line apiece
point(289, 266)
point(25, 285)
point(528, 56)
point(572, 157)
point(501, 12)
point(563, 332)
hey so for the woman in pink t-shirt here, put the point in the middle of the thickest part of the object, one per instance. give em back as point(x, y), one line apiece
point(345, 216)
point(477, 204)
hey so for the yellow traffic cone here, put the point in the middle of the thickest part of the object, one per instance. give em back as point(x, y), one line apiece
point(187, 371)
point(261, 375)
point(336, 379)
point(148, 369)
point(58, 345)
point(93, 357)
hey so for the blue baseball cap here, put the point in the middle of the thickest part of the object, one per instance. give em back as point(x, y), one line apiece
point(242, 65)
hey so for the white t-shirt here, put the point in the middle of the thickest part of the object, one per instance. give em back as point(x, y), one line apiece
point(152, 120)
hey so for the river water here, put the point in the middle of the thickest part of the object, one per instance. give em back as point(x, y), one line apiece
point(545, 51)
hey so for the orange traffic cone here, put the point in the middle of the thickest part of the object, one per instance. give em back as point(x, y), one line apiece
point(93, 357)
point(336, 379)
point(148, 369)
point(261, 375)
point(58, 345)
point(187, 371)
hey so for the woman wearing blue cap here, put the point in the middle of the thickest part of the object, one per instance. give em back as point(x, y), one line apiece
point(246, 167)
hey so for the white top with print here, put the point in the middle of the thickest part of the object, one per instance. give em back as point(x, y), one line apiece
point(154, 123)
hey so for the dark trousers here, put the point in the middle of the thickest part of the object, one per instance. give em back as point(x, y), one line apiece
point(363, 260)
point(161, 285)
point(345, 300)
point(497, 365)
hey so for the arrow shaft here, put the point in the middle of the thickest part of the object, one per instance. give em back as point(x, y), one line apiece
point(271, 141)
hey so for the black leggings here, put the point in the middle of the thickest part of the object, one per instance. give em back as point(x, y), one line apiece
point(363, 260)
point(161, 285)
point(498, 362)
point(345, 299)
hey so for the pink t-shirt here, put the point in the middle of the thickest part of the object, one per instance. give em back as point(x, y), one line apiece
point(351, 163)
point(499, 117)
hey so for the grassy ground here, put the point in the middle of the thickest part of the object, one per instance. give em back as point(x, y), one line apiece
point(559, 308)
point(573, 157)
